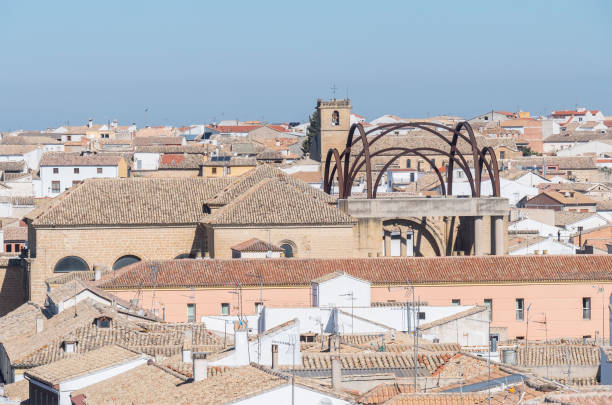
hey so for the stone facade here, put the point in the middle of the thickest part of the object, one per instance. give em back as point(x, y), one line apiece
point(335, 121)
point(307, 241)
point(104, 245)
point(12, 284)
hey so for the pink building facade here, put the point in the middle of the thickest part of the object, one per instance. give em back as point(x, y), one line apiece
point(534, 305)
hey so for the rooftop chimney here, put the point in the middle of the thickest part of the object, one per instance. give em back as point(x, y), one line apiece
point(70, 346)
point(90, 123)
point(200, 367)
point(97, 273)
point(336, 376)
point(39, 324)
point(241, 342)
point(186, 351)
point(274, 357)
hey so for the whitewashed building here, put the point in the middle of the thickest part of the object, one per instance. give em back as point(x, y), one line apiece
point(60, 171)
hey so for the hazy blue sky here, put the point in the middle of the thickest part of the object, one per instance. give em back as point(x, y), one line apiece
point(195, 61)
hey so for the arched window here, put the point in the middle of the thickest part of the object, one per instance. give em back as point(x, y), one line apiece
point(125, 261)
point(70, 263)
point(185, 256)
point(335, 118)
point(289, 248)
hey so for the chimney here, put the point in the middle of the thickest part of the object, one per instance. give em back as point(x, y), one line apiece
point(241, 342)
point(97, 273)
point(39, 324)
point(70, 346)
point(186, 351)
point(90, 123)
point(115, 124)
point(274, 357)
point(200, 367)
point(336, 376)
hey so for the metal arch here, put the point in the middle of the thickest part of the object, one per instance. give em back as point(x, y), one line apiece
point(407, 152)
point(417, 152)
point(495, 182)
point(347, 172)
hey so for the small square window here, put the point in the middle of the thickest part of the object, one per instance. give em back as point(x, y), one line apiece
point(421, 316)
point(99, 170)
point(55, 170)
point(55, 186)
point(225, 308)
point(76, 170)
point(214, 170)
point(456, 301)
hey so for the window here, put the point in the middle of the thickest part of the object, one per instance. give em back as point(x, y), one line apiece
point(99, 170)
point(76, 170)
point(125, 261)
point(55, 186)
point(103, 322)
point(488, 302)
point(71, 263)
point(191, 312)
point(586, 308)
point(407, 163)
point(75, 182)
point(214, 170)
point(69, 138)
point(421, 316)
point(335, 119)
point(225, 308)
point(55, 170)
point(288, 249)
point(433, 162)
point(411, 177)
point(502, 154)
point(520, 309)
point(456, 301)
point(9, 247)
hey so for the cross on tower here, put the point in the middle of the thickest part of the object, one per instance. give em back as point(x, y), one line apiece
point(333, 89)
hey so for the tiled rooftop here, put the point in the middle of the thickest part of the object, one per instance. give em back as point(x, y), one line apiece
point(558, 355)
point(130, 201)
point(243, 183)
point(444, 270)
point(277, 201)
point(76, 159)
point(150, 384)
point(82, 364)
point(256, 245)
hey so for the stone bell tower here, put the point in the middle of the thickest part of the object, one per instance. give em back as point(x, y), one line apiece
point(335, 120)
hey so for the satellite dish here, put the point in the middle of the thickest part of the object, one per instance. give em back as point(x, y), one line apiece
point(269, 254)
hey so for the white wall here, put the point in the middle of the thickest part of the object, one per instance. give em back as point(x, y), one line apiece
point(66, 176)
point(282, 395)
point(543, 229)
point(551, 245)
point(332, 293)
point(148, 161)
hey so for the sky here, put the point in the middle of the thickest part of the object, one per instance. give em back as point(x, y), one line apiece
point(188, 62)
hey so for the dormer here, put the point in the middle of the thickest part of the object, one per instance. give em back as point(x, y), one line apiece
point(69, 346)
point(103, 322)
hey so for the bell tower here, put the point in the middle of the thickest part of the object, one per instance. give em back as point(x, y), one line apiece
point(335, 122)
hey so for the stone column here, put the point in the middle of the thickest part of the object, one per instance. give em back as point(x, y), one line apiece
point(478, 236)
point(387, 243)
point(403, 242)
point(499, 235)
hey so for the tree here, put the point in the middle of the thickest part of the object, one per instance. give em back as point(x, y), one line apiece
point(314, 129)
point(528, 152)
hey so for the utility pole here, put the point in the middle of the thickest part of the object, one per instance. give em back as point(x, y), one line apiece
point(292, 343)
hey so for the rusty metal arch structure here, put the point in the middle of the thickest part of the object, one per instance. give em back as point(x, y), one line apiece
point(344, 167)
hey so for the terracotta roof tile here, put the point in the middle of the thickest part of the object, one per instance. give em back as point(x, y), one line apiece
point(277, 201)
point(76, 159)
point(81, 364)
point(256, 245)
point(254, 176)
point(444, 270)
point(151, 384)
point(131, 201)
